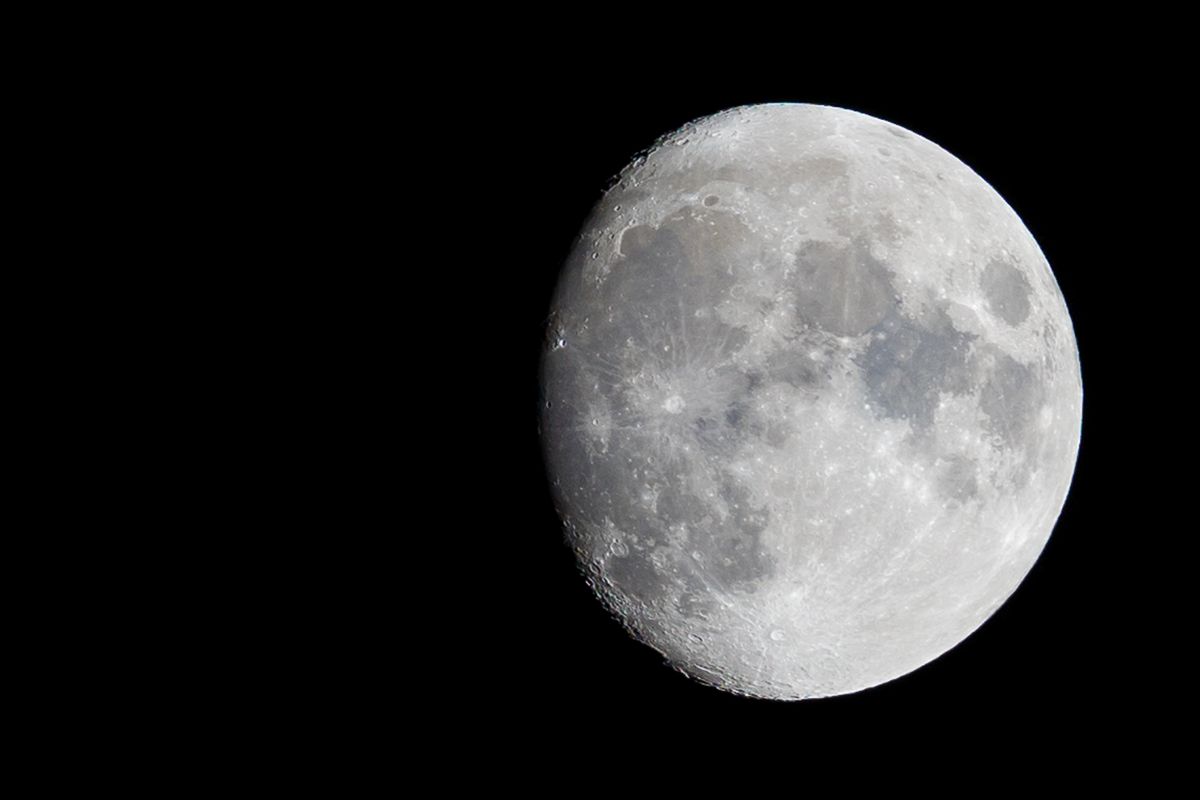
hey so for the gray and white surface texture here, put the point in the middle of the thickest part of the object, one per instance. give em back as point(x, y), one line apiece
point(812, 400)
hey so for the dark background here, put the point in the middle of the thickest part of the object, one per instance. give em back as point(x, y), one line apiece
point(1071, 653)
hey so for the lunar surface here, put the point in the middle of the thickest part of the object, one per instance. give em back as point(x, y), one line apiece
point(810, 400)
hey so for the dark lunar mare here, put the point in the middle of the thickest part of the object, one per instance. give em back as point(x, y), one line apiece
point(909, 364)
point(642, 331)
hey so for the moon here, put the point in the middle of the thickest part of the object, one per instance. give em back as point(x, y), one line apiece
point(811, 400)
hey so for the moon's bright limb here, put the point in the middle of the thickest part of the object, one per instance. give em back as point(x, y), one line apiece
point(812, 400)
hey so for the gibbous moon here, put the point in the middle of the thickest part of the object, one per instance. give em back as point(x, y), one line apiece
point(811, 400)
